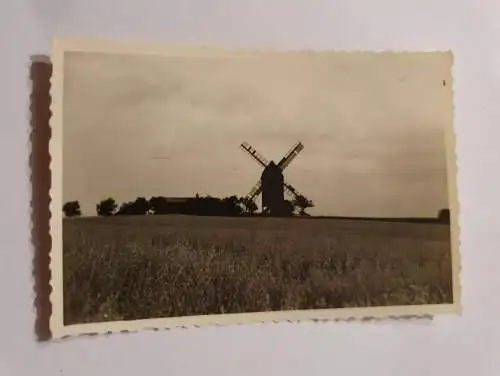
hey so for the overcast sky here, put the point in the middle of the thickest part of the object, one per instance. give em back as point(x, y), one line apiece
point(372, 126)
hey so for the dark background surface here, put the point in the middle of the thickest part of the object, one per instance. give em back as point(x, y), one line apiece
point(40, 74)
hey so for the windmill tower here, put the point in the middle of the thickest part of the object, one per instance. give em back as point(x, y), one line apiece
point(272, 185)
point(273, 192)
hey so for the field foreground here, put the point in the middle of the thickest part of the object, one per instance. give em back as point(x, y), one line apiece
point(125, 268)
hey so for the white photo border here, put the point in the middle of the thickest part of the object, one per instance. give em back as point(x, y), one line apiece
point(57, 327)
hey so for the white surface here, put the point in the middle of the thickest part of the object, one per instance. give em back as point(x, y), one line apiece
point(468, 345)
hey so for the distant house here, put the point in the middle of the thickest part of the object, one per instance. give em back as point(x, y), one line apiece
point(161, 205)
point(177, 199)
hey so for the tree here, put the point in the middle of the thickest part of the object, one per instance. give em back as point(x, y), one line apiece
point(248, 205)
point(107, 207)
point(302, 203)
point(230, 206)
point(72, 209)
point(141, 205)
point(138, 207)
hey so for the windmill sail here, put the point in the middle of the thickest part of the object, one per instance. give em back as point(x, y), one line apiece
point(255, 191)
point(254, 153)
point(292, 153)
point(291, 190)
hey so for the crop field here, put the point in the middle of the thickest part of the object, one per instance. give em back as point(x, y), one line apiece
point(125, 268)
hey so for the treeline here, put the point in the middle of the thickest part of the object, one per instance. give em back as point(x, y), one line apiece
point(231, 206)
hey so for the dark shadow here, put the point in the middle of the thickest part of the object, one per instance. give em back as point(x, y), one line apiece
point(40, 72)
point(444, 216)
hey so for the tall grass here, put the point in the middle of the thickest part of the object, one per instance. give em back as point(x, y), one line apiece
point(147, 267)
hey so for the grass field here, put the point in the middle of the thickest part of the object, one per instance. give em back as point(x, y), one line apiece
point(122, 268)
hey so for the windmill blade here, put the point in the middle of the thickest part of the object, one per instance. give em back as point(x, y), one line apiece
point(291, 190)
point(292, 153)
point(257, 188)
point(254, 153)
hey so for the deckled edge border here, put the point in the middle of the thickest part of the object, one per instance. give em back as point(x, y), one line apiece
point(366, 314)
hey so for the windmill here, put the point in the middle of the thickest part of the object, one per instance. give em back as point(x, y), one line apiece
point(272, 184)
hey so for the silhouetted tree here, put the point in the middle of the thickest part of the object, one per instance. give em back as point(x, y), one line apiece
point(141, 205)
point(138, 207)
point(248, 206)
point(72, 209)
point(158, 205)
point(106, 207)
point(230, 206)
point(302, 203)
point(444, 216)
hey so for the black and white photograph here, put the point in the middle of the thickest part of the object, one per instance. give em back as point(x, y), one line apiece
point(260, 182)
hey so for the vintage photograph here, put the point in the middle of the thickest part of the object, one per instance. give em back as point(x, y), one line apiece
point(219, 183)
